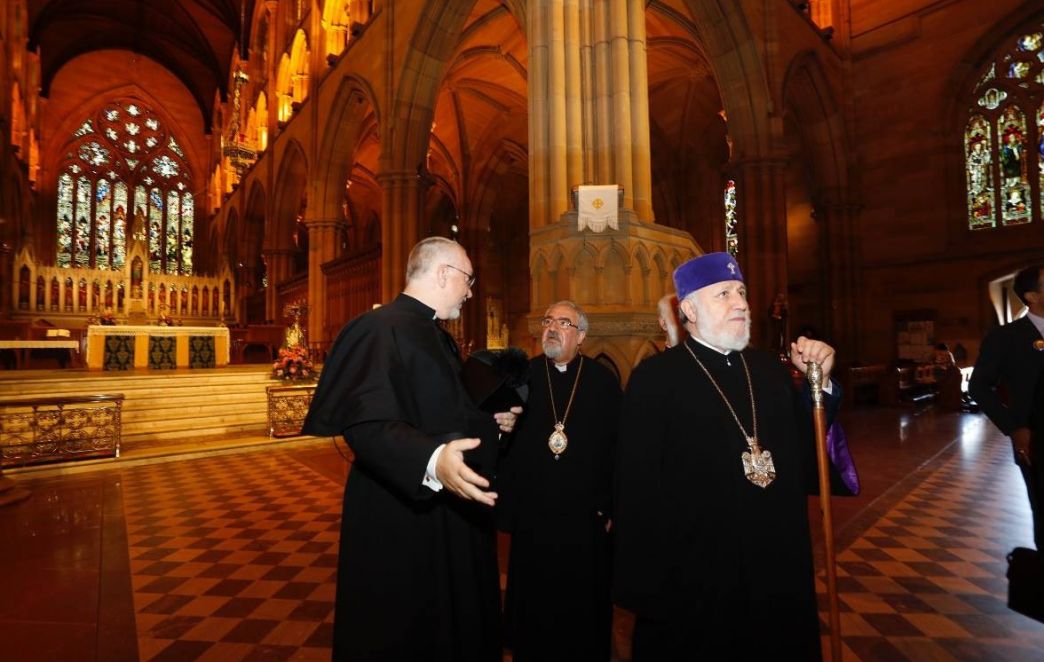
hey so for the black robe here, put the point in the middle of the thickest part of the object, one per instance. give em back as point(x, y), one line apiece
point(714, 566)
point(417, 570)
point(558, 604)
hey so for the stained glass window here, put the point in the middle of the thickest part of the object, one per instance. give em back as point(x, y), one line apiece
point(1004, 136)
point(980, 178)
point(731, 236)
point(124, 177)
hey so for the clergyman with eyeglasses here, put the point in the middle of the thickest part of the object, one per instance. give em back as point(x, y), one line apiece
point(417, 575)
point(556, 484)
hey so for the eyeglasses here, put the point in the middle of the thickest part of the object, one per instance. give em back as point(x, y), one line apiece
point(470, 277)
point(560, 322)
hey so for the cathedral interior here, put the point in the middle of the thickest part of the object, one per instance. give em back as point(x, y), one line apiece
point(245, 166)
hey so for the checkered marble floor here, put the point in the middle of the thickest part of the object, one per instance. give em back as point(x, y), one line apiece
point(232, 558)
point(927, 580)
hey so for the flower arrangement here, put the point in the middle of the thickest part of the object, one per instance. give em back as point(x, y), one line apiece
point(293, 364)
point(107, 318)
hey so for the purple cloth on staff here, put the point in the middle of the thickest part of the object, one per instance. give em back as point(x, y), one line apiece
point(841, 458)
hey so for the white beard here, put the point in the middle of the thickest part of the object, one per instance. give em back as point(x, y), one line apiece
point(735, 342)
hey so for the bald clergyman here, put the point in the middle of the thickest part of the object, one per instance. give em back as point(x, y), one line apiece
point(417, 575)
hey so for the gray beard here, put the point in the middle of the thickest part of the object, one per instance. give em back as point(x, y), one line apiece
point(551, 351)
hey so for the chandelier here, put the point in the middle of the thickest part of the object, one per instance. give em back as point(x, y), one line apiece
point(235, 148)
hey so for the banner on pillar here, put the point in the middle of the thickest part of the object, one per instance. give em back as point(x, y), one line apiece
point(597, 208)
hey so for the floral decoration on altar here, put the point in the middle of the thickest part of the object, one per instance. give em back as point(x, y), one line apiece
point(294, 362)
point(107, 318)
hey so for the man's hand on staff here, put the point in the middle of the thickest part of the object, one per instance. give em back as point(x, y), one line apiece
point(804, 351)
point(458, 477)
point(507, 419)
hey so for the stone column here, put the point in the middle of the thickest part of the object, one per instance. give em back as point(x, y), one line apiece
point(245, 286)
point(278, 262)
point(589, 124)
point(761, 206)
point(324, 244)
point(400, 228)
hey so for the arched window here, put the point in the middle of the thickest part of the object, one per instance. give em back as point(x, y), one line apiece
point(123, 169)
point(1004, 136)
point(731, 236)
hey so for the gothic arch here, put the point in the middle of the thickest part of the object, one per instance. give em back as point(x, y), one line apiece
point(289, 197)
point(958, 90)
point(809, 99)
point(727, 40)
point(647, 349)
point(52, 153)
point(231, 241)
point(249, 234)
point(353, 104)
point(431, 48)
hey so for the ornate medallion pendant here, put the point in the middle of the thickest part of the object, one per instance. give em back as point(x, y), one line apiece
point(558, 441)
point(757, 464)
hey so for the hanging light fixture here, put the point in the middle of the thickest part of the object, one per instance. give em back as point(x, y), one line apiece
point(235, 149)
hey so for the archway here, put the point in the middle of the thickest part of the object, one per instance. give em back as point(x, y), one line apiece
point(476, 170)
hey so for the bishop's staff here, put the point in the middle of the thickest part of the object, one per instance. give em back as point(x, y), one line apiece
point(815, 380)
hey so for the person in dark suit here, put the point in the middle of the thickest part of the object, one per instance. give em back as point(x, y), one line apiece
point(1011, 358)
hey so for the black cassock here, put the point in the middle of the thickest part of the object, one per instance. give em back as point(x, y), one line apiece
point(558, 603)
point(714, 566)
point(417, 570)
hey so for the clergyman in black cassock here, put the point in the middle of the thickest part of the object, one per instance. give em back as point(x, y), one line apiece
point(557, 506)
point(417, 568)
point(714, 557)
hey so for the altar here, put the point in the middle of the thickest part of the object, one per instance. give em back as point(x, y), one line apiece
point(156, 347)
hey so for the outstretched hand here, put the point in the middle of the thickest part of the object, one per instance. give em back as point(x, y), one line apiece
point(458, 477)
point(804, 351)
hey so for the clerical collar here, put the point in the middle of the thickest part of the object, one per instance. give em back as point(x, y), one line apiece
point(723, 352)
point(562, 367)
point(416, 306)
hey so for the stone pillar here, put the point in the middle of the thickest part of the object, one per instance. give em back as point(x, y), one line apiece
point(400, 228)
point(245, 286)
point(324, 244)
point(589, 124)
point(278, 262)
point(761, 206)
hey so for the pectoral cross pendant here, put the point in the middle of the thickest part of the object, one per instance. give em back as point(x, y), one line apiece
point(558, 441)
point(757, 464)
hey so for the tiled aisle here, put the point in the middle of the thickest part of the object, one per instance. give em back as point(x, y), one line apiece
point(926, 581)
point(232, 557)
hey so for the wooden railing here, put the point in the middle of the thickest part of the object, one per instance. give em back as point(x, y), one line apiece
point(37, 430)
point(353, 286)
